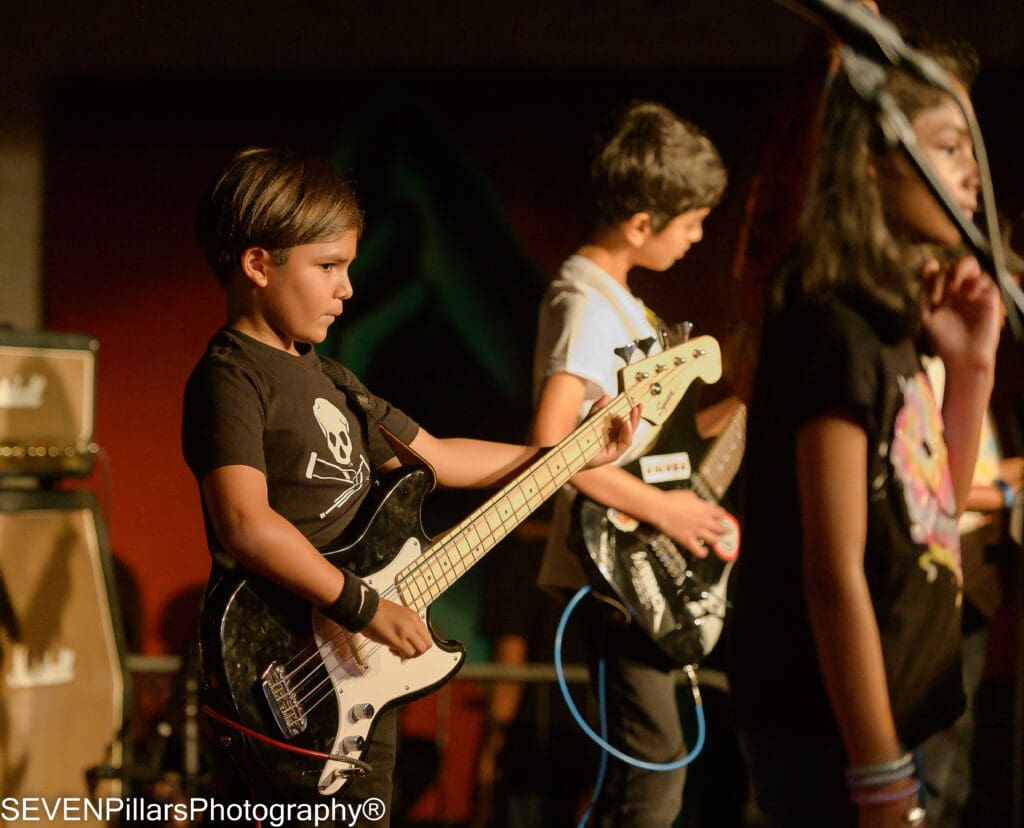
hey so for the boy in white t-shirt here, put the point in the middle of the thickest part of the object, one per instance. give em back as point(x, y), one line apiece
point(654, 178)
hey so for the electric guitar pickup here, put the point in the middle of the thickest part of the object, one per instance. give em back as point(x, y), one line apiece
point(276, 670)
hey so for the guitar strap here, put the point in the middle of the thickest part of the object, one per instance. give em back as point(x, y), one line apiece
point(360, 402)
point(342, 381)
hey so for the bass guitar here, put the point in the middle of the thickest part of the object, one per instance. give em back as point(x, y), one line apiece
point(299, 695)
point(678, 599)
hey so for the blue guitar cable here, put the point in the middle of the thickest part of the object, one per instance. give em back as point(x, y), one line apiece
point(601, 740)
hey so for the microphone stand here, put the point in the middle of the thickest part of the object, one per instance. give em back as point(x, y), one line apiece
point(868, 78)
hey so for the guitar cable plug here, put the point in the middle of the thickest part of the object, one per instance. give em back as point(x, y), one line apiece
point(691, 674)
point(360, 768)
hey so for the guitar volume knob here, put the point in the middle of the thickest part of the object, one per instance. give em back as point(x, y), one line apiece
point(361, 712)
point(351, 744)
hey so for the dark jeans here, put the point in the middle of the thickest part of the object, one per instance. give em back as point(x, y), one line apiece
point(643, 721)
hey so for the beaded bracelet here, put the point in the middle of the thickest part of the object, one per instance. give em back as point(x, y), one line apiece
point(355, 606)
point(880, 778)
point(882, 773)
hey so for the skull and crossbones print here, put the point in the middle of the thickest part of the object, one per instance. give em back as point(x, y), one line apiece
point(334, 425)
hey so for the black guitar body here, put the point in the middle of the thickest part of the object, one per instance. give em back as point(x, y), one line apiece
point(678, 599)
point(346, 681)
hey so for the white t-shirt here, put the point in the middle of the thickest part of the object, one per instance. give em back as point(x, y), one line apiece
point(584, 315)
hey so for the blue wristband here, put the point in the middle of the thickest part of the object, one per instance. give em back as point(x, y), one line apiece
point(1008, 493)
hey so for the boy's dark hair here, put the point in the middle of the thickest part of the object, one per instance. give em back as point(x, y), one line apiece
point(647, 159)
point(274, 199)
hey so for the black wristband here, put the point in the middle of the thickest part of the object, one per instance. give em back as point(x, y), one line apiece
point(355, 607)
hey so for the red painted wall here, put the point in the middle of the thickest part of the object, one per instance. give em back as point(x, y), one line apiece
point(121, 267)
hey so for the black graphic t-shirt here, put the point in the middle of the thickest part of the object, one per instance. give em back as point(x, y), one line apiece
point(822, 358)
point(249, 404)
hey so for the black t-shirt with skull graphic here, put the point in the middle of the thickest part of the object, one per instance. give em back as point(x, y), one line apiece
point(249, 404)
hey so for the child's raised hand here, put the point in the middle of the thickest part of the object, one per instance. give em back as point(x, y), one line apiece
point(620, 433)
point(399, 628)
point(962, 313)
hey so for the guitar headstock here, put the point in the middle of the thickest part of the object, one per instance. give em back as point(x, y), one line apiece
point(659, 382)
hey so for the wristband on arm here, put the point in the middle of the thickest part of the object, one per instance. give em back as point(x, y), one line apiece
point(1007, 492)
point(355, 607)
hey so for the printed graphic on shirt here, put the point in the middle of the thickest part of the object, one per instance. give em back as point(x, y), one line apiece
point(338, 433)
point(921, 464)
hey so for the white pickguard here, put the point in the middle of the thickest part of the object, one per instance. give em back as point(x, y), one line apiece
point(364, 672)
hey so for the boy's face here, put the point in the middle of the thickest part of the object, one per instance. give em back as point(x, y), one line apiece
point(942, 135)
point(663, 249)
point(303, 296)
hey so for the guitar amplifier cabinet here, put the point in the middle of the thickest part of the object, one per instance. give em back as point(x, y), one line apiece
point(47, 403)
point(63, 691)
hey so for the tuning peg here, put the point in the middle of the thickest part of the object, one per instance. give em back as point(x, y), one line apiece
point(664, 337)
point(683, 331)
point(645, 344)
point(625, 352)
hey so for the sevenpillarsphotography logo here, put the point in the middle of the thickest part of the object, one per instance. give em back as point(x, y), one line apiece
point(66, 810)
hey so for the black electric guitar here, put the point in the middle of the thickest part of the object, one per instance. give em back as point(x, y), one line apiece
point(278, 668)
point(678, 599)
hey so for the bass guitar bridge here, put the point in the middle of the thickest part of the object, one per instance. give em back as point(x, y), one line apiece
point(284, 704)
